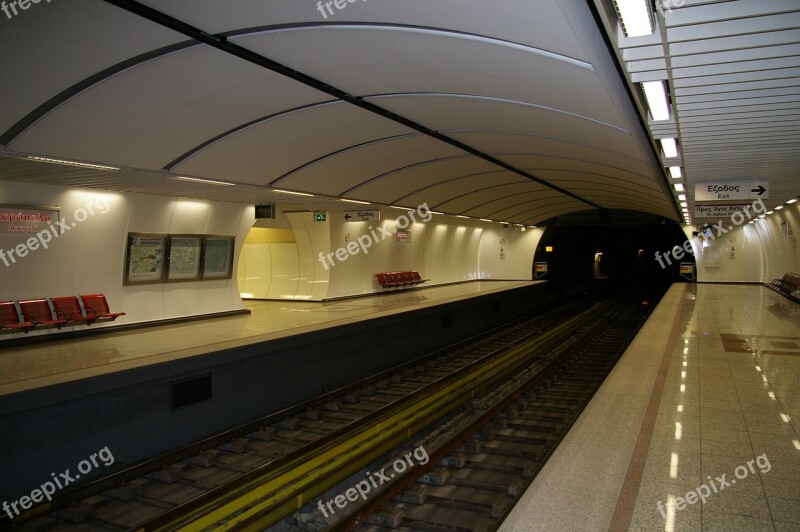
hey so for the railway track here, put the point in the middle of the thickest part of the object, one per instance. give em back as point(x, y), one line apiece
point(482, 459)
point(229, 478)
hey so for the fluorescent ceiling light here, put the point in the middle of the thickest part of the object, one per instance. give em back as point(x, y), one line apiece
point(401, 208)
point(779, 207)
point(793, 200)
point(292, 192)
point(72, 163)
point(635, 17)
point(770, 212)
point(656, 97)
point(681, 197)
point(762, 216)
point(486, 220)
point(461, 216)
point(670, 148)
point(678, 187)
point(355, 201)
point(675, 172)
point(204, 181)
point(684, 204)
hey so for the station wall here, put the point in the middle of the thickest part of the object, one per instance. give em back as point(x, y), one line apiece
point(762, 251)
point(90, 256)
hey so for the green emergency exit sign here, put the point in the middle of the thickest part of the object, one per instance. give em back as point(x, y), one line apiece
point(320, 216)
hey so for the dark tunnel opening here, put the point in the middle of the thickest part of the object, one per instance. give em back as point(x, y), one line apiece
point(588, 254)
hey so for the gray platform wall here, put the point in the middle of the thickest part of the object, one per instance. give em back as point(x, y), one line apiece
point(51, 429)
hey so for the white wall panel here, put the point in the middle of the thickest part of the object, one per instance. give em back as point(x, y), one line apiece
point(90, 256)
point(762, 253)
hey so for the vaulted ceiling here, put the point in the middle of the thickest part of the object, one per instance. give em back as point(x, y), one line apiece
point(510, 110)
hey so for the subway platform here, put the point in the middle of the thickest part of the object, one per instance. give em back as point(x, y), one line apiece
point(60, 361)
point(705, 401)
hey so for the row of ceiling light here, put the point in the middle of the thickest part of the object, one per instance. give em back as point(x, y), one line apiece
point(636, 18)
point(778, 208)
point(279, 191)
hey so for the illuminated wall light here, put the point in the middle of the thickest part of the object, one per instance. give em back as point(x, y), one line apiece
point(680, 408)
point(72, 163)
point(355, 201)
point(796, 444)
point(678, 187)
point(681, 197)
point(635, 17)
point(793, 200)
point(656, 96)
point(292, 192)
point(486, 220)
point(762, 216)
point(675, 172)
point(204, 181)
point(462, 216)
point(670, 148)
point(770, 212)
point(684, 204)
point(678, 430)
point(779, 207)
point(784, 418)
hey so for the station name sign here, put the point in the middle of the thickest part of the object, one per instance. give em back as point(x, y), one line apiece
point(26, 219)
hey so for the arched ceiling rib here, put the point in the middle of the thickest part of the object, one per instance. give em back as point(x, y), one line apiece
point(390, 103)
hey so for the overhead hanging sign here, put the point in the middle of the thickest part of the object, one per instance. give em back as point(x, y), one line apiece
point(731, 190)
point(718, 211)
point(362, 216)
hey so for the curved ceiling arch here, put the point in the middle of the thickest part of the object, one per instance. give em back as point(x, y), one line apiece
point(393, 173)
point(495, 100)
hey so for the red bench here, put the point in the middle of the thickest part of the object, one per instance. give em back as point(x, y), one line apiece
point(10, 319)
point(38, 311)
point(69, 308)
point(97, 307)
point(396, 279)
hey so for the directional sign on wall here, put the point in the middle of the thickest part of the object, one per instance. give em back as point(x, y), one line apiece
point(362, 216)
point(718, 211)
point(731, 190)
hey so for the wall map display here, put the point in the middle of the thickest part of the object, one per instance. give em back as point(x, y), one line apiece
point(158, 258)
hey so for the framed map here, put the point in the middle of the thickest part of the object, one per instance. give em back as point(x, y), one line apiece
point(144, 260)
point(218, 257)
point(184, 257)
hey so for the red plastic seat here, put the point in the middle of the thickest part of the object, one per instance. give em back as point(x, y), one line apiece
point(9, 318)
point(97, 307)
point(417, 277)
point(38, 311)
point(68, 308)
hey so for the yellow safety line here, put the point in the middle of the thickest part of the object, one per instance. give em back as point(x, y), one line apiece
point(296, 483)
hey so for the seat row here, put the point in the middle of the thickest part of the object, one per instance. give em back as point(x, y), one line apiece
point(55, 312)
point(788, 285)
point(395, 279)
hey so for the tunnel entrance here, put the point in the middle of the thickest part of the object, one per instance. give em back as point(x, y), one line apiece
point(610, 251)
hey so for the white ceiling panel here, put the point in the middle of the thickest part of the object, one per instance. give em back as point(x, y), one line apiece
point(388, 188)
point(540, 24)
point(264, 152)
point(132, 120)
point(389, 60)
point(338, 172)
point(52, 46)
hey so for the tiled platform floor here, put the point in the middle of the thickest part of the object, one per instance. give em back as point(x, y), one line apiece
point(62, 361)
point(711, 383)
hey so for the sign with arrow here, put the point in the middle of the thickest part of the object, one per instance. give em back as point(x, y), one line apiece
point(362, 216)
point(731, 190)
